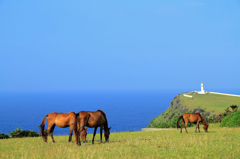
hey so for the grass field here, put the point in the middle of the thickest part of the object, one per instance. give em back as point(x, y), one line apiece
point(218, 143)
point(213, 103)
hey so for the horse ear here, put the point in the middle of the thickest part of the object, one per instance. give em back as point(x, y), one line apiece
point(109, 128)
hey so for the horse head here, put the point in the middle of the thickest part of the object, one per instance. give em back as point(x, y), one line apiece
point(84, 135)
point(45, 135)
point(205, 127)
point(107, 133)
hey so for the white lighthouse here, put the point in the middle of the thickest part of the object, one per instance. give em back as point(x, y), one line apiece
point(202, 90)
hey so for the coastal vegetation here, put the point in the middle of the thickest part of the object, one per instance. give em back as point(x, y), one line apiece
point(232, 120)
point(4, 136)
point(218, 143)
point(209, 105)
point(18, 132)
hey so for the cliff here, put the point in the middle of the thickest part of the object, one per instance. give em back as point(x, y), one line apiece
point(209, 105)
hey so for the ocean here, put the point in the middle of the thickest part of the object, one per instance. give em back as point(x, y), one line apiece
point(126, 110)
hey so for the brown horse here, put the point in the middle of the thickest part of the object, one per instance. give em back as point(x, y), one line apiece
point(94, 120)
point(195, 118)
point(62, 120)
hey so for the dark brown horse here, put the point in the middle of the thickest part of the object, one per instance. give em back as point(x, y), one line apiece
point(94, 120)
point(195, 118)
point(62, 120)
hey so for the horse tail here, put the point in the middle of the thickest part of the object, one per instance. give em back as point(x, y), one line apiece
point(181, 117)
point(77, 123)
point(76, 119)
point(203, 120)
point(44, 135)
point(82, 119)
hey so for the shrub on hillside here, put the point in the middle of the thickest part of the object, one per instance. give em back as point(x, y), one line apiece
point(232, 120)
point(3, 136)
point(234, 107)
point(15, 132)
point(220, 117)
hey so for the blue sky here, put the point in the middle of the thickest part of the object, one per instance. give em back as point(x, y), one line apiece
point(119, 45)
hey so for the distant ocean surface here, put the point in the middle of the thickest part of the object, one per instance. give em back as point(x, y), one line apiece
point(126, 111)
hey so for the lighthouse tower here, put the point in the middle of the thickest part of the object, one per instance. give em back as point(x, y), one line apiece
point(202, 90)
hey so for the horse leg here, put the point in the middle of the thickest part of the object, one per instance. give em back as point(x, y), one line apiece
point(197, 125)
point(186, 126)
point(73, 128)
point(101, 134)
point(51, 132)
point(198, 128)
point(95, 130)
point(50, 125)
point(70, 134)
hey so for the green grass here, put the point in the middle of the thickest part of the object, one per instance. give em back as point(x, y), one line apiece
point(218, 143)
point(213, 103)
point(231, 120)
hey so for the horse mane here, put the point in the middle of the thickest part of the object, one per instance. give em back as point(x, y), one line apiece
point(203, 120)
point(103, 113)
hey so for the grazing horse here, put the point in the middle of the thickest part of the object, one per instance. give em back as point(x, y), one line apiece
point(195, 118)
point(62, 120)
point(94, 120)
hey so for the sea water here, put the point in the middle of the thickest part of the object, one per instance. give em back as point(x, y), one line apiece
point(126, 110)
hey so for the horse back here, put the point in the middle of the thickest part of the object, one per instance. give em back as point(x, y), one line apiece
point(92, 119)
point(192, 117)
point(62, 119)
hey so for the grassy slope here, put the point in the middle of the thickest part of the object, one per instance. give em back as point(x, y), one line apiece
point(218, 143)
point(213, 103)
